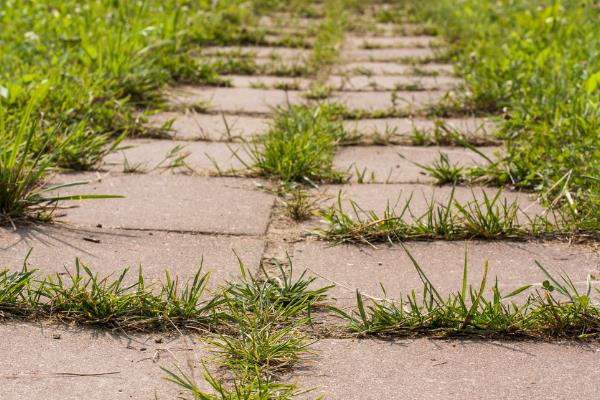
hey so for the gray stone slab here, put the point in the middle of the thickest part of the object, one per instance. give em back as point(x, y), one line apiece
point(436, 369)
point(158, 157)
point(171, 202)
point(361, 42)
point(268, 82)
point(402, 129)
point(377, 197)
point(393, 82)
point(392, 54)
point(378, 101)
point(55, 247)
point(194, 126)
point(390, 68)
point(397, 164)
point(46, 362)
point(233, 100)
point(353, 267)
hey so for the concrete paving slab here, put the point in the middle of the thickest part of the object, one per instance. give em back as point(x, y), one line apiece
point(397, 164)
point(390, 68)
point(435, 369)
point(378, 101)
point(234, 100)
point(259, 52)
point(394, 82)
point(171, 202)
point(106, 251)
point(392, 54)
point(158, 157)
point(269, 82)
point(49, 362)
point(402, 129)
point(362, 42)
point(377, 197)
point(353, 267)
point(195, 126)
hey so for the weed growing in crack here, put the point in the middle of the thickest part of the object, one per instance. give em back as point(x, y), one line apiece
point(299, 146)
point(557, 309)
point(444, 171)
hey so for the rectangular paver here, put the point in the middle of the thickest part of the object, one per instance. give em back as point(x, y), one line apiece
point(234, 100)
point(372, 101)
point(107, 251)
point(393, 54)
point(359, 42)
point(390, 68)
point(435, 369)
point(393, 82)
point(365, 268)
point(46, 362)
point(171, 202)
point(398, 164)
point(158, 157)
point(196, 126)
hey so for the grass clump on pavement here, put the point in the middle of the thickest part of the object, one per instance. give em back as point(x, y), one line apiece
point(299, 146)
point(556, 309)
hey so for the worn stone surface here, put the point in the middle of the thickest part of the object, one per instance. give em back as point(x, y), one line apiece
point(233, 100)
point(393, 82)
point(394, 54)
point(107, 251)
point(436, 369)
point(398, 164)
point(161, 156)
point(259, 51)
point(365, 268)
point(361, 42)
point(372, 101)
point(196, 126)
point(390, 68)
point(269, 82)
point(172, 202)
point(47, 362)
point(403, 129)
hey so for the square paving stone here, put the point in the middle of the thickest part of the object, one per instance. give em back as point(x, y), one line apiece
point(392, 54)
point(374, 101)
point(393, 82)
point(398, 164)
point(353, 267)
point(390, 68)
point(157, 157)
point(234, 100)
point(402, 130)
point(194, 126)
point(436, 369)
point(171, 202)
point(48, 362)
point(55, 247)
point(361, 42)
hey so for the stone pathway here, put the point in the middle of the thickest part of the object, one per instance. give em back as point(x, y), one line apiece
point(174, 218)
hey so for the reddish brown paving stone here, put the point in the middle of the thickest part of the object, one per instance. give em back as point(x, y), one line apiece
point(390, 68)
point(40, 362)
point(477, 128)
point(106, 251)
point(194, 126)
point(172, 202)
point(234, 100)
point(377, 197)
point(260, 52)
point(151, 156)
point(361, 42)
point(392, 54)
point(436, 369)
point(268, 82)
point(353, 267)
point(378, 101)
point(393, 82)
point(397, 164)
